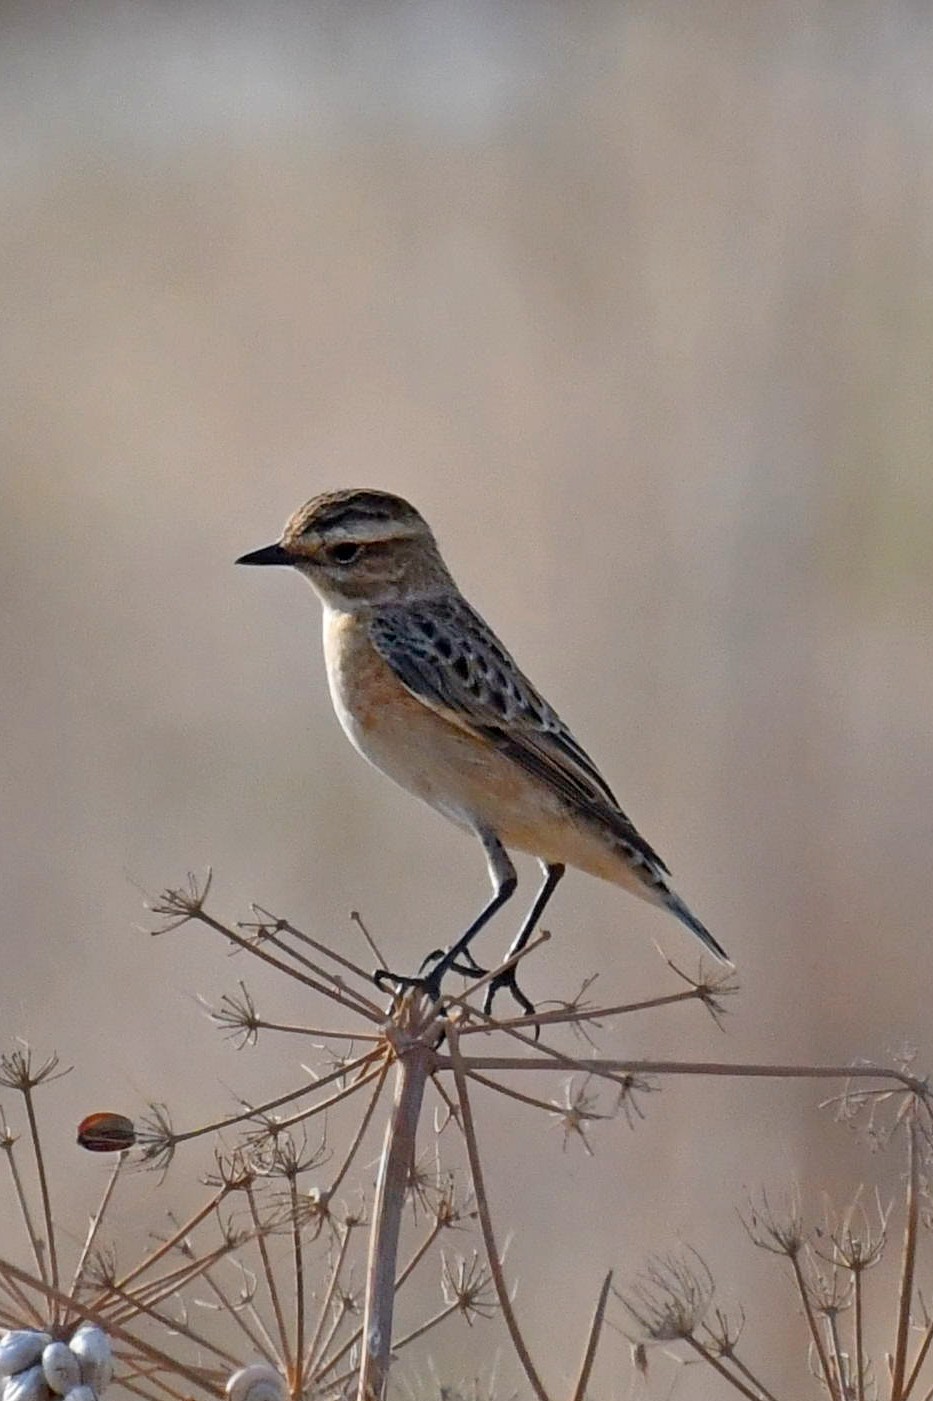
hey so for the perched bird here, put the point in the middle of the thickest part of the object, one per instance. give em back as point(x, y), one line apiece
point(428, 694)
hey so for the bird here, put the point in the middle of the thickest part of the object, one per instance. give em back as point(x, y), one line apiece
point(424, 690)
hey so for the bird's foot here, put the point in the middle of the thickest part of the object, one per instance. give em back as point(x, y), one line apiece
point(428, 983)
point(430, 975)
point(466, 964)
point(508, 980)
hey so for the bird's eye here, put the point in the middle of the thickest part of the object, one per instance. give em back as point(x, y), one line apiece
point(344, 553)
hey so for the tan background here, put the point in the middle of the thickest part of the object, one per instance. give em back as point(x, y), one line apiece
point(634, 302)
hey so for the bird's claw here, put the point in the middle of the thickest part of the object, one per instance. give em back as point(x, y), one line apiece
point(469, 968)
point(508, 980)
point(429, 984)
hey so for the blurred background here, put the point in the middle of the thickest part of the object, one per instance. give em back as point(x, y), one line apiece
point(635, 302)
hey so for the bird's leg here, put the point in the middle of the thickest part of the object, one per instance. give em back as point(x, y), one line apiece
point(504, 880)
point(552, 874)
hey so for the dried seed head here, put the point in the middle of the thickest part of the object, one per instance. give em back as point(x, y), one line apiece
point(671, 1298)
point(779, 1234)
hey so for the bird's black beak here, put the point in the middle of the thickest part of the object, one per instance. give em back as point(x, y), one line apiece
point(269, 554)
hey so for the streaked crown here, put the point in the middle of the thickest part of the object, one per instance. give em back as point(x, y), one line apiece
point(360, 546)
point(357, 514)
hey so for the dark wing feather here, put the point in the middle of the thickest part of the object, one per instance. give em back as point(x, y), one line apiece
point(443, 652)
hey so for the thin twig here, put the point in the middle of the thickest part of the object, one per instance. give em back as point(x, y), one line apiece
point(43, 1191)
point(324, 1308)
point(859, 1337)
point(299, 1269)
point(908, 1262)
point(813, 1324)
point(344, 996)
point(166, 1246)
point(568, 1016)
point(361, 1130)
point(62, 1302)
point(303, 1115)
point(415, 1064)
point(614, 1068)
point(261, 1342)
point(95, 1224)
point(307, 1031)
point(25, 1308)
point(509, 1092)
point(255, 1111)
point(919, 1360)
point(592, 1341)
point(269, 1277)
point(482, 1205)
point(327, 1364)
point(365, 975)
point(718, 1366)
point(35, 1240)
point(374, 948)
point(763, 1393)
point(839, 1362)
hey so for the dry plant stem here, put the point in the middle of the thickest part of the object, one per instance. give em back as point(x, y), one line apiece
point(351, 967)
point(859, 1342)
point(343, 1377)
point(95, 1223)
point(448, 1103)
point(323, 1367)
point(420, 1253)
point(414, 1065)
point(327, 1364)
point(509, 1092)
point(135, 1389)
point(919, 1360)
point(61, 1301)
point(334, 981)
point(262, 1344)
point(269, 1276)
point(345, 996)
point(908, 1263)
point(173, 1325)
point(38, 1254)
point(43, 1192)
point(373, 947)
point(425, 1327)
point(324, 1310)
point(592, 1341)
point(718, 1366)
point(814, 1327)
point(299, 1267)
point(610, 1069)
point(361, 1128)
point(167, 1246)
point(220, 1124)
point(153, 1291)
point(24, 1306)
point(307, 1031)
point(761, 1391)
point(839, 1362)
point(482, 1206)
point(571, 1014)
point(304, 1115)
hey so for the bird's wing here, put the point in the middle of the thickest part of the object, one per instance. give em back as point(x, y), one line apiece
point(443, 653)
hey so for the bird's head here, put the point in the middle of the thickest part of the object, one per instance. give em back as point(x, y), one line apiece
point(359, 548)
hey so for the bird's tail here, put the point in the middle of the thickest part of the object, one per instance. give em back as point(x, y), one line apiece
point(686, 916)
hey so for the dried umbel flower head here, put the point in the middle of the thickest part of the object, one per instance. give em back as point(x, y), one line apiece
point(672, 1296)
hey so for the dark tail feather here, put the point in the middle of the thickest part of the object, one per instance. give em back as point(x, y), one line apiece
point(687, 917)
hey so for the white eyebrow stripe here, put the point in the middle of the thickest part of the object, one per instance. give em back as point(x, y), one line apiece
point(366, 531)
